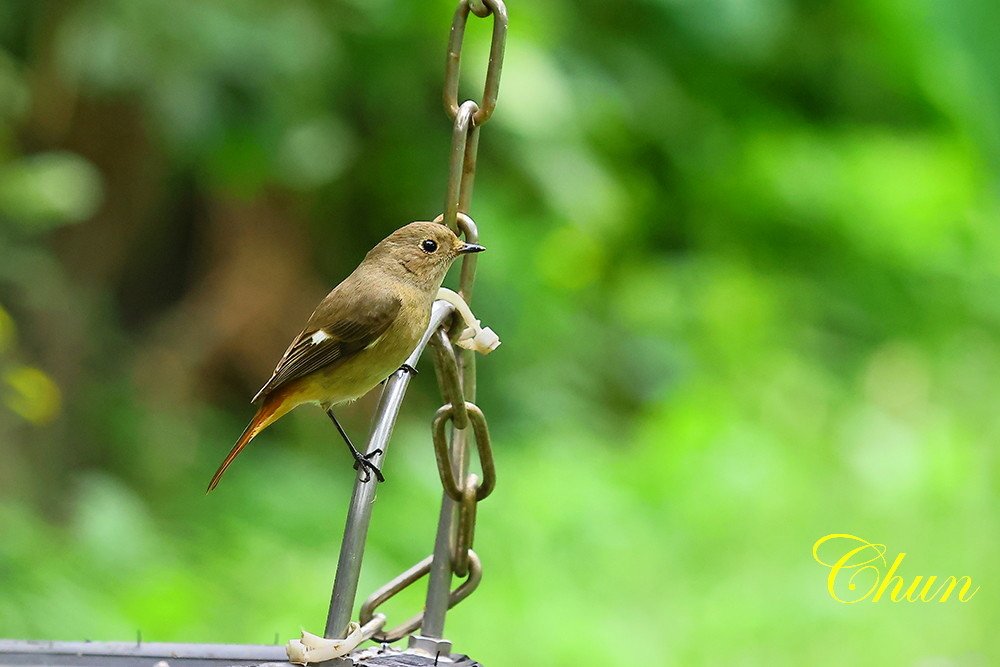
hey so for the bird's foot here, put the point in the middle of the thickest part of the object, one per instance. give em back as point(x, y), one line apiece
point(363, 461)
point(409, 369)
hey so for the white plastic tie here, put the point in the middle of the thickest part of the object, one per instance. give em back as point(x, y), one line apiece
point(475, 336)
point(313, 648)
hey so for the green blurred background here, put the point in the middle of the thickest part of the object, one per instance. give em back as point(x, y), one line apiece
point(743, 256)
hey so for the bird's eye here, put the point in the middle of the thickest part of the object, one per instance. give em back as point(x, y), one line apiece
point(428, 245)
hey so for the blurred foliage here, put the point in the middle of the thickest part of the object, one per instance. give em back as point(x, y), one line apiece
point(742, 255)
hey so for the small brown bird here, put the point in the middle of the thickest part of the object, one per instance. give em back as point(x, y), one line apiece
point(361, 332)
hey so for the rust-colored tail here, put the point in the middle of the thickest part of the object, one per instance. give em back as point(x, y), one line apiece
point(274, 407)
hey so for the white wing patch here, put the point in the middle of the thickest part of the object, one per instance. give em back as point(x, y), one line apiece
point(374, 342)
point(319, 337)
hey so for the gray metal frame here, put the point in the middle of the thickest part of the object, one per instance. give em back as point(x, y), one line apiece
point(130, 654)
point(25, 653)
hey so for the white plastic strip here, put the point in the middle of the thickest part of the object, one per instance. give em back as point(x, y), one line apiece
point(475, 337)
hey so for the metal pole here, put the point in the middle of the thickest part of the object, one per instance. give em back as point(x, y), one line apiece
point(345, 585)
point(439, 579)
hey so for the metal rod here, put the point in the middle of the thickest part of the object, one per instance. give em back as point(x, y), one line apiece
point(228, 652)
point(345, 585)
point(439, 580)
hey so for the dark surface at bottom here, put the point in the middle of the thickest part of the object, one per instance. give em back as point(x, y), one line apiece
point(410, 660)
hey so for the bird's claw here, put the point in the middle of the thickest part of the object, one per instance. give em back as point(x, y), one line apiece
point(409, 369)
point(363, 461)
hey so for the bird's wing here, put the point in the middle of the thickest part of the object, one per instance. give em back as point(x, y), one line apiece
point(333, 336)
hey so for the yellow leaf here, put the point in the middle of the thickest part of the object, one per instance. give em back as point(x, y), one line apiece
point(32, 394)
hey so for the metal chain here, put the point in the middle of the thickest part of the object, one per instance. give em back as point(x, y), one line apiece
point(455, 369)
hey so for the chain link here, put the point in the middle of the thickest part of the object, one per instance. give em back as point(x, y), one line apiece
point(467, 277)
point(462, 164)
point(446, 368)
point(452, 72)
point(452, 486)
point(461, 542)
point(455, 369)
point(391, 588)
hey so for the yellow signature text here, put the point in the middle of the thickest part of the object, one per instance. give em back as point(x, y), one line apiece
point(861, 572)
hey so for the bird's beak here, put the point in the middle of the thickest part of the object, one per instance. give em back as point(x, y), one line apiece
point(470, 247)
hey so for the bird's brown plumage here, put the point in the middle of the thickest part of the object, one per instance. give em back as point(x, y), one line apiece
point(362, 331)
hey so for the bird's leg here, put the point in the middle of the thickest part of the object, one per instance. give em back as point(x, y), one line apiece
point(360, 460)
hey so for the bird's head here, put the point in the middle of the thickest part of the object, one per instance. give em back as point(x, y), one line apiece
point(421, 253)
